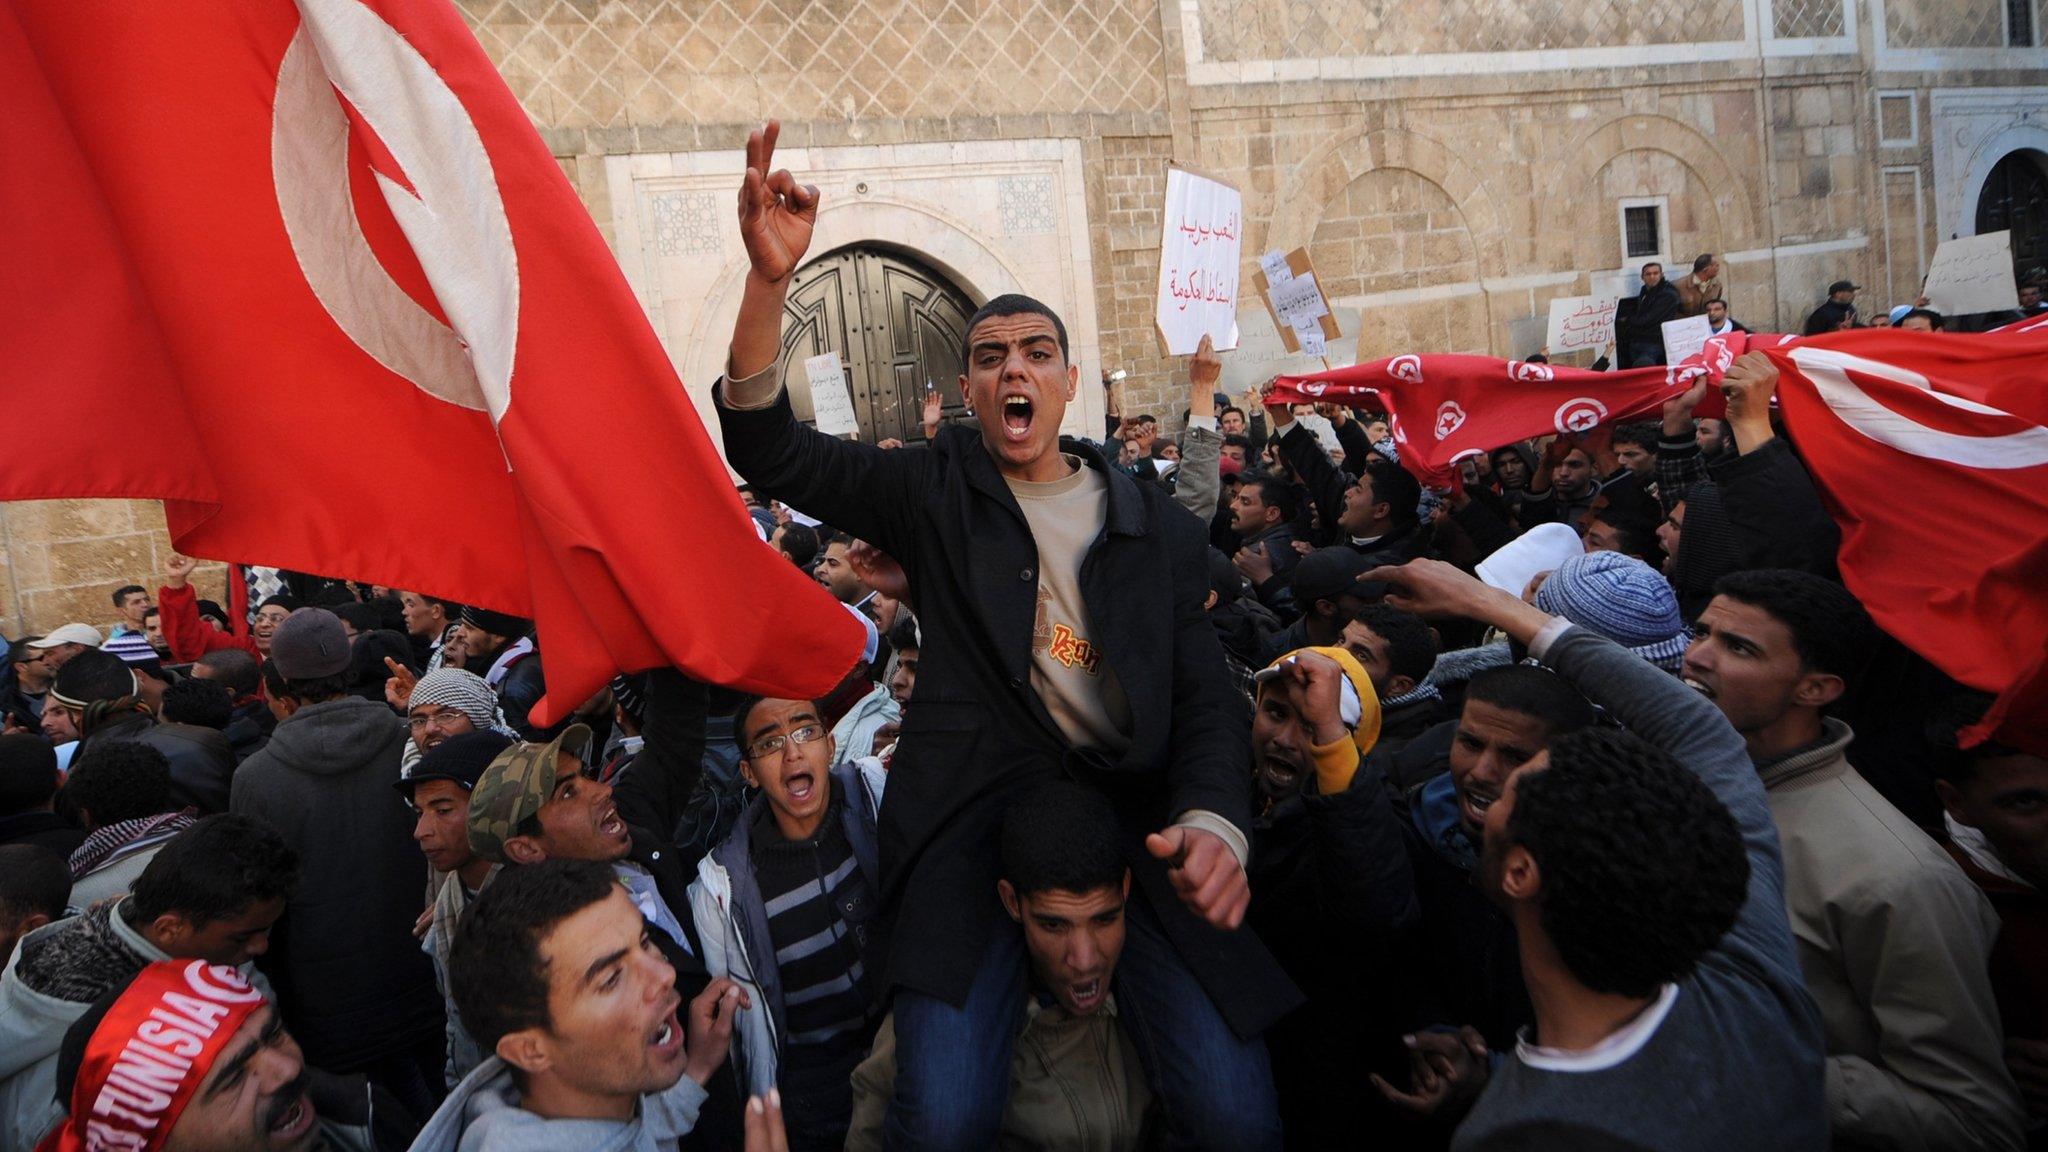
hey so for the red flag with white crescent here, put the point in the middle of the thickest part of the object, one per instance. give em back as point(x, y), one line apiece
point(305, 271)
point(1930, 451)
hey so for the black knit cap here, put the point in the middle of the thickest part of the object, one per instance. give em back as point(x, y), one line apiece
point(459, 758)
point(496, 623)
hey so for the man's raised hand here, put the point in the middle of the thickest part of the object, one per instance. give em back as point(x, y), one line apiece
point(178, 569)
point(776, 213)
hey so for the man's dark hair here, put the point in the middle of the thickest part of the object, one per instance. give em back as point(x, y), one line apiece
point(235, 668)
point(1010, 304)
point(1830, 630)
point(903, 634)
point(1533, 691)
point(157, 612)
point(1653, 264)
point(1944, 730)
point(28, 773)
point(1228, 409)
point(1239, 440)
point(32, 879)
point(205, 703)
point(19, 651)
point(1061, 836)
point(94, 674)
point(1411, 650)
point(116, 780)
point(1642, 868)
point(1644, 435)
point(1933, 317)
point(496, 972)
point(215, 869)
point(282, 600)
point(740, 720)
point(1398, 487)
point(1700, 262)
point(363, 617)
point(122, 593)
point(801, 544)
point(1276, 493)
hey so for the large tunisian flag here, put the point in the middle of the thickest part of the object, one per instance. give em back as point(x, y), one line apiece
point(306, 272)
point(1931, 452)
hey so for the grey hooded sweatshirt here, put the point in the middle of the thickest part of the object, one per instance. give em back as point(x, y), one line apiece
point(483, 1115)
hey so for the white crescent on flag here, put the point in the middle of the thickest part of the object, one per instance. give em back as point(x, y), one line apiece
point(453, 216)
point(2025, 447)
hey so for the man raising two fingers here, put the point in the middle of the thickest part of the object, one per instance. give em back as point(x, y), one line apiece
point(1063, 635)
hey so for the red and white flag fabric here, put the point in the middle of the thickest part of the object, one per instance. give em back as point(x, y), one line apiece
point(306, 272)
point(1444, 409)
point(1930, 451)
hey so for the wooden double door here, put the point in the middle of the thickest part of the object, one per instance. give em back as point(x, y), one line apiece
point(897, 325)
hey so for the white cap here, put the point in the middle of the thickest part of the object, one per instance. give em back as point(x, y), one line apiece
point(84, 634)
point(1540, 549)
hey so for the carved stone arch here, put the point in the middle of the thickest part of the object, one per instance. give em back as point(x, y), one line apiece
point(1568, 211)
point(1325, 173)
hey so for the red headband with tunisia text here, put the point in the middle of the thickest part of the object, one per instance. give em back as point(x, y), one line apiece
point(150, 1054)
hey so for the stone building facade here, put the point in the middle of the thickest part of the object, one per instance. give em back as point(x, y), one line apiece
point(1451, 166)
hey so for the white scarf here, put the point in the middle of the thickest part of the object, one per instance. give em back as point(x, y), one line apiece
point(503, 664)
point(1978, 848)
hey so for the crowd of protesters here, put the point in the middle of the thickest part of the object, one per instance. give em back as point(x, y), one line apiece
point(1230, 791)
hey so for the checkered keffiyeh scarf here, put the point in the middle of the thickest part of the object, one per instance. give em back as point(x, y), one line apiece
point(114, 841)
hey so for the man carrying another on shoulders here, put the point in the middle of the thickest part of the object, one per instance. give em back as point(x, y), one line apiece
point(1061, 607)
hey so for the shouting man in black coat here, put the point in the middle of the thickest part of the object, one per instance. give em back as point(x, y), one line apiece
point(1064, 636)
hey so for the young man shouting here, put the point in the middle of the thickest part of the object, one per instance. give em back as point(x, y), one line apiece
point(1061, 606)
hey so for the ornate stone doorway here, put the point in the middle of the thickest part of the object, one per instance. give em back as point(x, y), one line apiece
point(896, 324)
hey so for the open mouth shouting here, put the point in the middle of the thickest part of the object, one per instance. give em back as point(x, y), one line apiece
point(799, 785)
point(1084, 996)
point(1017, 411)
point(665, 1040)
point(610, 824)
point(1699, 686)
point(290, 1117)
point(1473, 803)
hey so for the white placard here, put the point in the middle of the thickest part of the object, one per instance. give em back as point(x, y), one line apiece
point(831, 400)
point(1274, 265)
point(1972, 274)
point(1310, 337)
point(1198, 263)
point(1683, 338)
point(1298, 301)
point(1580, 322)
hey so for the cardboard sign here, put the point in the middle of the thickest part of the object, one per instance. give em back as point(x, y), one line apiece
point(1578, 322)
point(831, 399)
point(1198, 263)
point(1300, 311)
point(1972, 274)
point(1687, 337)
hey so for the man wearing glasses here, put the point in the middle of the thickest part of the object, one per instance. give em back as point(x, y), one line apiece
point(783, 906)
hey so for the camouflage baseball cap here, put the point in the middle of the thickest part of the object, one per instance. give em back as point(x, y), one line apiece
point(514, 787)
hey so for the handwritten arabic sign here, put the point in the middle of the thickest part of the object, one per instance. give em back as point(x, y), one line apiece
point(1972, 274)
point(1578, 322)
point(1687, 337)
point(831, 401)
point(1198, 262)
point(1301, 313)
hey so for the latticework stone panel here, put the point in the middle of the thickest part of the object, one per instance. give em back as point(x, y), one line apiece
point(1309, 29)
point(617, 63)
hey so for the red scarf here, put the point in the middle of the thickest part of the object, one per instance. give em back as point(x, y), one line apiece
point(149, 1055)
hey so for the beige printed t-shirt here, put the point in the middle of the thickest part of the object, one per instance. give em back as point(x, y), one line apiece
point(1068, 670)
